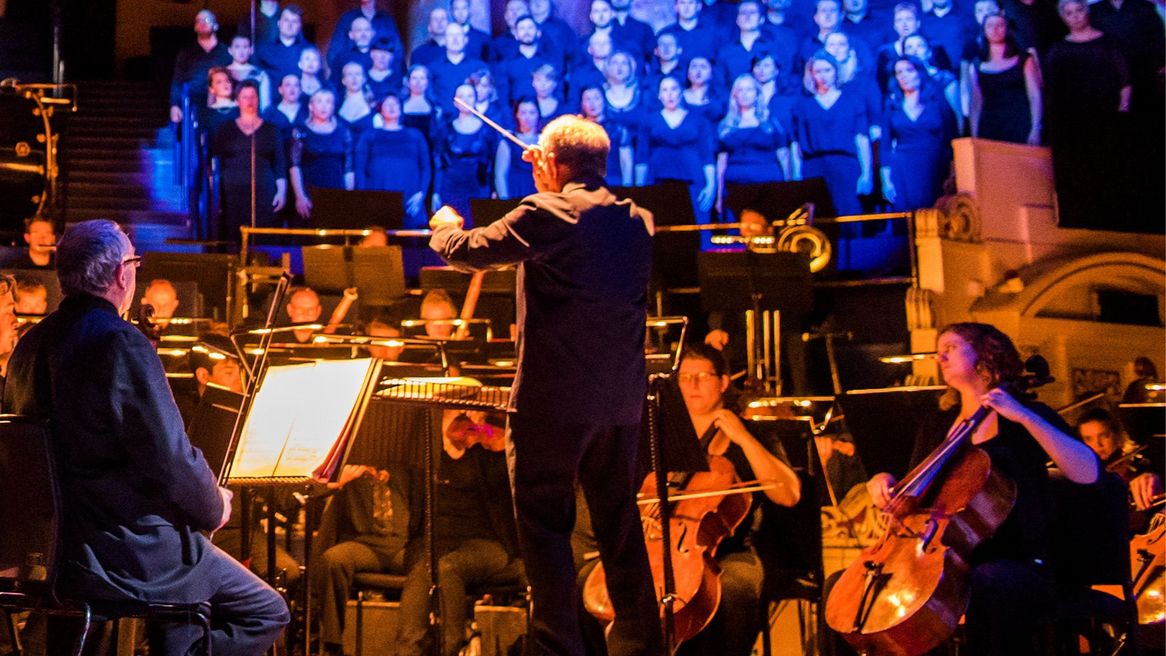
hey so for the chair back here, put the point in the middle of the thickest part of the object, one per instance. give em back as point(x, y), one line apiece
point(29, 505)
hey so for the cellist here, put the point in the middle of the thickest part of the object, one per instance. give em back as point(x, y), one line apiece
point(1010, 585)
point(704, 380)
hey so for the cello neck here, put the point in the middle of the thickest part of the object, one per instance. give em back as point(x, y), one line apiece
point(919, 480)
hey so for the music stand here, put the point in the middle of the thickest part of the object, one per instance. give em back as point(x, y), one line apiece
point(340, 208)
point(883, 423)
point(747, 280)
point(213, 273)
point(484, 211)
point(673, 253)
point(210, 427)
point(680, 449)
point(376, 271)
point(780, 199)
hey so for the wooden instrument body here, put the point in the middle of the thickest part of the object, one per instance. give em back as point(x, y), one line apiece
point(697, 526)
point(1148, 559)
point(905, 594)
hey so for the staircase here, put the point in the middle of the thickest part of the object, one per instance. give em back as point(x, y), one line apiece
point(117, 162)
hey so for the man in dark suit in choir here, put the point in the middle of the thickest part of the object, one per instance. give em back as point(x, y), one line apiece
point(282, 56)
point(136, 493)
point(584, 262)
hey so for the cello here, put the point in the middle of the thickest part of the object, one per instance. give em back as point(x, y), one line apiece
point(905, 594)
point(698, 524)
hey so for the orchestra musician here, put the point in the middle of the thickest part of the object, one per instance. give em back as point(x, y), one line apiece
point(1103, 433)
point(704, 380)
point(474, 533)
point(578, 396)
point(1011, 585)
point(136, 493)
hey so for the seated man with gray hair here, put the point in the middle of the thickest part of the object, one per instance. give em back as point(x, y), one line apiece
point(135, 493)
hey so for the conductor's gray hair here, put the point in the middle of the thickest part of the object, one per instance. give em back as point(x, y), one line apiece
point(578, 144)
point(88, 255)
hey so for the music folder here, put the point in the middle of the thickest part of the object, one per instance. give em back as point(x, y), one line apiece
point(302, 419)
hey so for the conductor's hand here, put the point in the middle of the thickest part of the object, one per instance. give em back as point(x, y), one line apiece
point(879, 488)
point(543, 168)
point(226, 495)
point(717, 339)
point(446, 216)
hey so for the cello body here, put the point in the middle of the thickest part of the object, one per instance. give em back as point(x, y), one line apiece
point(906, 593)
point(1148, 558)
point(697, 527)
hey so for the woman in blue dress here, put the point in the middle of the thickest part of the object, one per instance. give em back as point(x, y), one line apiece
point(486, 91)
point(419, 110)
point(321, 152)
point(620, 159)
point(699, 96)
point(465, 153)
point(392, 157)
point(676, 144)
point(621, 92)
point(513, 177)
point(829, 138)
point(942, 80)
point(918, 130)
point(752, 148)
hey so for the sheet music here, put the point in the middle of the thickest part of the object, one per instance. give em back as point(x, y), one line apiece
point(297, 416)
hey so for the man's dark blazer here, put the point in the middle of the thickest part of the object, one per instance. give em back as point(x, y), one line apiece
point(135, 491)
point(584, 263)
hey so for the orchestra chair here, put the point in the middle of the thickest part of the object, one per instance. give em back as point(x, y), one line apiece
point(789, 543)
point(509, 584)
point(1090, 546)
point(30, 511)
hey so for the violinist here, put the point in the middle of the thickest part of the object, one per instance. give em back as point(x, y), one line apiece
point(704, 380)
point(1010, 585)
point(1103, 433)
point(474, 532)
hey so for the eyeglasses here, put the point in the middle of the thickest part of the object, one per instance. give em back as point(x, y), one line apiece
point(136, 261)
point(698, 378)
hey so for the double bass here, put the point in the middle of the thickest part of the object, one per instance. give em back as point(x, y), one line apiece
point(905, 594)
point(700, 520)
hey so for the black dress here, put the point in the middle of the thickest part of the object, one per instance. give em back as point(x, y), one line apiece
point(233, 148)
point(1006, 113)
point(1091, 166)
point(464, 162)
point(323, 159)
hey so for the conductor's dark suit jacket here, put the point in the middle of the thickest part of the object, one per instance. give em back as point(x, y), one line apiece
point(584, 260)
point(135, 491)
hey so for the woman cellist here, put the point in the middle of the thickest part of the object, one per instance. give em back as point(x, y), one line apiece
point(1009, 586)
point(703, 381)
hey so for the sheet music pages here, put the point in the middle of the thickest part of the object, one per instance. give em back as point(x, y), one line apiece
point(297, 416)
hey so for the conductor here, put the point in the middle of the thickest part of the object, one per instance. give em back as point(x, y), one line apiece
point(584, 260)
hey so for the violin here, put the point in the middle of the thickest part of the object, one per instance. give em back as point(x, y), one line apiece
point(712, 509)
point(905, 594)
point(465, 429)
